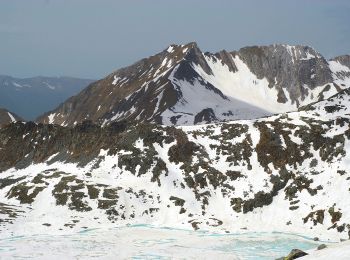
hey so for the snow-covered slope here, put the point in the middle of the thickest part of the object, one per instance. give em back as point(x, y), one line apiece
point(340, 67)
point(288, 172)
point(339, 251)
point(184, 86)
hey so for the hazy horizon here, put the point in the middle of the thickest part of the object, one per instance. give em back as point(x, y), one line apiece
point(90, 38)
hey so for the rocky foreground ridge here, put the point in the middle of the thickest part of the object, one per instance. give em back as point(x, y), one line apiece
point(288, 172)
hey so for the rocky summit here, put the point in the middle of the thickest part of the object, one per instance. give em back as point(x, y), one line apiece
point(184, 86)
point(287, 172)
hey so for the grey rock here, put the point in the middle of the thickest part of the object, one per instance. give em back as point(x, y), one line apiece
point(322, 246)
point(295, 253)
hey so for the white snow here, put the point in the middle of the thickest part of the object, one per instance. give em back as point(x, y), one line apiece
point(115, 80)
point(17, 85)
point(49, 86)
point(170, 49)
point(13, 119)
point(291, 51)
point(336, 66)
point(164, 62)
point(308, 56)
point(340, 73)
point(339, 251)
point(51, 118)
point(196, 97)
point(243, 85)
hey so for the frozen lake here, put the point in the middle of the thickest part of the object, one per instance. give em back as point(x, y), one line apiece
point(146, 242)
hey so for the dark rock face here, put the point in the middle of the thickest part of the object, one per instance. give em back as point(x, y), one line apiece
point(206, 116)
point(164, 88)
point(196, 57)
point(294, 254)
point(288, 68)
point(316, 217)
point(7, 117)
point(322, 246)
point(227, 59)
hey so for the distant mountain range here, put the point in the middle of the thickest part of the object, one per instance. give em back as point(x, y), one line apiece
point(31, 97)
point(184, 86)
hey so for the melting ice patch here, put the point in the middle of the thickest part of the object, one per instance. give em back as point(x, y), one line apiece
point(146, 242)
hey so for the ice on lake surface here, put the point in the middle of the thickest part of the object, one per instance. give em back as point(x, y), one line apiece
point(147, 242)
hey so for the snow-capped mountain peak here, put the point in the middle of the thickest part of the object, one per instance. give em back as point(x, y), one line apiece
point(182, 85)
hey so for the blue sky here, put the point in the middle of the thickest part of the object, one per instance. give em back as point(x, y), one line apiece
point(91, 38)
